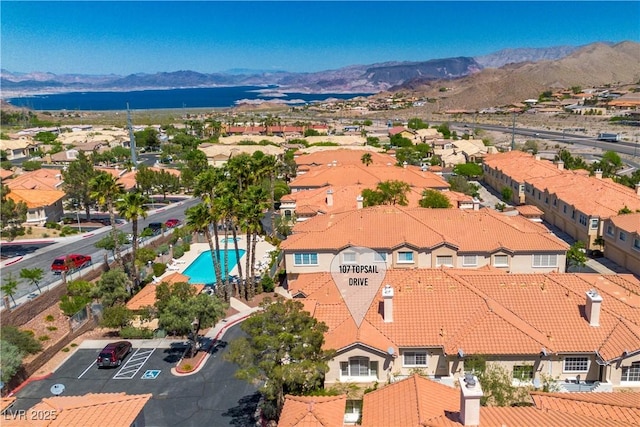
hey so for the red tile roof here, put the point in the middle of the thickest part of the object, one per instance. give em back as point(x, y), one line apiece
point(343, 157)
point(313, 411)
point(36, 198)
point(504, 313)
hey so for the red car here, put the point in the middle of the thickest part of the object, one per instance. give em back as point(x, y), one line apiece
point(173, 222)
point(113, 354)
point(70, 262)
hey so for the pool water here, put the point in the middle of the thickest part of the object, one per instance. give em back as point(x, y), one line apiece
point(201, 269)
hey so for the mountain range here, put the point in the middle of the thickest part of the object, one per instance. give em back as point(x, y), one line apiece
point(509, 73)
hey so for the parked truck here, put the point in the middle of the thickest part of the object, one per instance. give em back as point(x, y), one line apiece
point(609, 137)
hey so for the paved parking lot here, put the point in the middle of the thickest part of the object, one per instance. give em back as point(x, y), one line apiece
point(211, 397)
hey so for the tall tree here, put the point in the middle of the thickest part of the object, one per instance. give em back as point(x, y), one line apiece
point(366, 159)
point(12, 214)
point(434, 199)
point(391, 192)
point(33, 275)
point(253, 205)
point(133, 206)
point(200, 220)
point(105, 190)
point(113, 287)
point(145, 179)
point(282, 349)
point(166, 183)
point(76, 182)
point(9, 286)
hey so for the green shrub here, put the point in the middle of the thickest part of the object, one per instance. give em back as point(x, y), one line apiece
point(45, 235)
point(130, 332)
point(162, 249)
point(66, 349)
point(159, 269)
point(43, 338)
point(74, 344)
point(267, 284)
point(187, 367)
point(178, 251)
point(49, 318)
point(52, 328)
point(24, 340)
point(70, 305)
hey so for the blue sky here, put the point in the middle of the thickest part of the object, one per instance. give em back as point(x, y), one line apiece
point(123, 37)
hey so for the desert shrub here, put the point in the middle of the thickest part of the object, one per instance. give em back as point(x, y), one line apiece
point(159, 269)
point(49, 318)
point(187, 367)
point(66, 349)
point(52, 328)
point(24, 340)
point(178, 251)
point(267, 284)
point(74, 344)
point(43, 338)
point(130, 332)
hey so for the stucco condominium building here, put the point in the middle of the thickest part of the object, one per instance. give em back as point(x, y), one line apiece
point(575, 202)
point(622, 241)
point(409, 238)
point(581, 330)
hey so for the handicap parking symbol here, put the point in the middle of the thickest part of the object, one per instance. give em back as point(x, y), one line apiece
point(151, 374)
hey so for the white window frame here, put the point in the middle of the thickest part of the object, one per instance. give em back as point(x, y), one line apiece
point(610, 230)
point(302, 261)
point(349, 258)
point(582, 219)
point(380, 257)
point(405, 261)
point(352, 411)
point(575, 360)
point(544, 260)
point(529, 369)
point(622, 236)
point(499, 256)
point(362, 361)
point(466, 260)
point(632, 372)
point(593, 224)
point(636, 244)
point(448, 261)
point(415, 354)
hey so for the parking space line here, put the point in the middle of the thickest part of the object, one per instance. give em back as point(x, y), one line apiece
point(134, 364)
point(86, 370)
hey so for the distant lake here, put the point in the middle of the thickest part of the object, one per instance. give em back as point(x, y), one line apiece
point(217, 97)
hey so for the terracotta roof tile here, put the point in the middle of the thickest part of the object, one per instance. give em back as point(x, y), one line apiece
point(342, 157)
point(628, 222)
point(40, 179)
point(313, 411)
point(89, 410)
point(408, 403)
point(483, 230)
point(622, 407)
point(36, 198)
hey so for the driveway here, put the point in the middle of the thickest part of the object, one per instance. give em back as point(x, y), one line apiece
point(210, 397)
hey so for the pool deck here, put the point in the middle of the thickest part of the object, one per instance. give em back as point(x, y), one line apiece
point(262, 250)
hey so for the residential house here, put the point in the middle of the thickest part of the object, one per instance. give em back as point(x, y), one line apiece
point(342, 156)
point(117, 409)
point(571, 200)
point(218, 154)
point(581, 331)
point(18, 146)
point(5, 174)
point(42, 205)
point(370, 176)
point(306, 204)
point(409, 238)
point(404, 132)
point(39, 179)
point(313, 411)
point(622, 241)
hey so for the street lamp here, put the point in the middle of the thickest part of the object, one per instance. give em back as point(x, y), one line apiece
point(78, 217)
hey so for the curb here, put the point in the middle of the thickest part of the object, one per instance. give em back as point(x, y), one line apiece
point(13, 261)
point(202, 361)
point(29, 381)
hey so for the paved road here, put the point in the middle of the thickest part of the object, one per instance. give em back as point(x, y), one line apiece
point(211, 397)
point(84, 244)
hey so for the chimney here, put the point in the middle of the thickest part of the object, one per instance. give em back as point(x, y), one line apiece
point(359, 201)
point(560, 165)
point(329, 197)
point(598, 174)
point(537, 157)
point(638, 189)
point(404, 164)
point(470, 394)
point(476, 204)
point(592, 307)
point(387, 296)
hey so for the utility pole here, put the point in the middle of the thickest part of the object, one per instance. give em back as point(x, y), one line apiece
point(132, 140)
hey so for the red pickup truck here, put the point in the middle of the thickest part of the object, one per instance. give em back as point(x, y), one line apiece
point(70, 262)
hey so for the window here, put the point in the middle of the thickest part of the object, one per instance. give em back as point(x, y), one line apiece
point(446, 260)
point(622, 236)
point(545, 260)
point(405, 257)
point(631, 373)
point(576, 364)
point(305, 259)
point(414, 358)
point(636, 244)
point(564, 209)
point(555, 202)
point(352, 411)
point(594, 223)
point(500, 261)
point(359, 367)
point(287, 214)
point(380, 257)
point(523, 372)
point(469, 260)
point(349, 258)
point(583, 219)
point(610, 230)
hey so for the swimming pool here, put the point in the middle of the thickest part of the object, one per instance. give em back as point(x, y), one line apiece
point(229, 240)
point(201, 269)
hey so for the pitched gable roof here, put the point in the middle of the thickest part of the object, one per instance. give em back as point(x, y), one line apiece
point(40, 179)
point(89, 410)
point(313, 411)
point(36, 198)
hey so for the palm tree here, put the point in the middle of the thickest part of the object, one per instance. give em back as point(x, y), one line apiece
point(199, 220)
point(224, 204)
point(133, 206)
point(105, 190)
point(9, 287)
point(366, 159)
point(252, 209)
point(34, 275)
